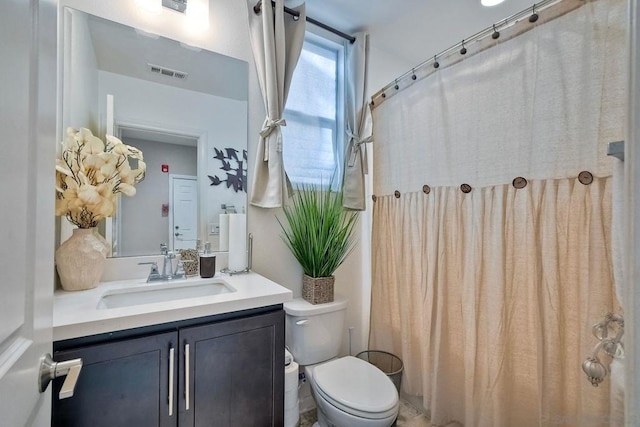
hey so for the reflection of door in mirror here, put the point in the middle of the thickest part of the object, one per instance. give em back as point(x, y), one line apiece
point(183, 212)
point(146, 223)
point(165, 87)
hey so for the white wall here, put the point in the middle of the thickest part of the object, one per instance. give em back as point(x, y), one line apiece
point(83, 69)
point(416, 33)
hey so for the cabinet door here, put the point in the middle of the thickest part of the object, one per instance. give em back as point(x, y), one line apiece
point(123, 383)
point(234, 373)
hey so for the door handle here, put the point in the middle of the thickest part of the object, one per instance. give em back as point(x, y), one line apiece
point(49, 369)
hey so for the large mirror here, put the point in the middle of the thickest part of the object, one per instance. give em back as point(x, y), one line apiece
point(184, 107)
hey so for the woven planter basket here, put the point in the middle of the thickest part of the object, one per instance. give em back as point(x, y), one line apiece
point(317, 290)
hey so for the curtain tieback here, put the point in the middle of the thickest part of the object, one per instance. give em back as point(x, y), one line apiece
point(269, 126)
point(355, 148)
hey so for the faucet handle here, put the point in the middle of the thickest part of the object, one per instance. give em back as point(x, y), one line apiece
point(180, 270)
point(154, 266)
point(163, 248)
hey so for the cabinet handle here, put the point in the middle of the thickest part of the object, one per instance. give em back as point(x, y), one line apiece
point(186, 376)
point(171, 374)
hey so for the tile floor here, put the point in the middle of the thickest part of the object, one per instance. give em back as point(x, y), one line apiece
point(409, 416)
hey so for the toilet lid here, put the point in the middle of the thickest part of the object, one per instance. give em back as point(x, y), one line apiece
point(352, 383)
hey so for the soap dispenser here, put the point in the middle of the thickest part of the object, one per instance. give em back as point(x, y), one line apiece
point(207, 262)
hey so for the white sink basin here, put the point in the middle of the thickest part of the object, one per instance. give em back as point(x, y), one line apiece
point(162, 292)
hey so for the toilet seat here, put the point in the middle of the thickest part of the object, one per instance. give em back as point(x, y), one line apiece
point(356, 387)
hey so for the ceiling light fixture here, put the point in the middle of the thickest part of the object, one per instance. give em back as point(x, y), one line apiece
point(490, 2)
point(177, 5)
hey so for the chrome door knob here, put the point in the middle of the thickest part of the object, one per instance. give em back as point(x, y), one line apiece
point(49, 370)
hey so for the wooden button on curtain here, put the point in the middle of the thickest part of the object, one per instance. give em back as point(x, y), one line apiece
point(585, 177)
point(519, 182)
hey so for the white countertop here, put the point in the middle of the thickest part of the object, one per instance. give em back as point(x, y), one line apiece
point(76, 314)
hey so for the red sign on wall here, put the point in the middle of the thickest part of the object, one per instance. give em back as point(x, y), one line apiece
point(165, 168)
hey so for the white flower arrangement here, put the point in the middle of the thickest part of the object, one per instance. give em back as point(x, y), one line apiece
point(89, 174)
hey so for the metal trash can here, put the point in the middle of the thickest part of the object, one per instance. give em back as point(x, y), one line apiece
point(388, 363)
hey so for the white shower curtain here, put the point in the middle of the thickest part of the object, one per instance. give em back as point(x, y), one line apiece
point(489, 294)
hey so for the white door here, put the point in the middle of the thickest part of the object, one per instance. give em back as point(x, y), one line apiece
point(183, 220)
point(28, 129)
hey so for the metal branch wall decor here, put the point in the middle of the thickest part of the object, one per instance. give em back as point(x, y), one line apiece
point(234, 167)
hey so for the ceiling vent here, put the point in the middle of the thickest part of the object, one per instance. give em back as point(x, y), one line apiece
point(180, 75)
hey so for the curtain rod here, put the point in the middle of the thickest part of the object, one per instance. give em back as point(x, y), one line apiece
point(258, 7)
point(531, 12)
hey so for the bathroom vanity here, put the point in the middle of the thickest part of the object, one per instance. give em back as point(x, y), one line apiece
point(202, 360)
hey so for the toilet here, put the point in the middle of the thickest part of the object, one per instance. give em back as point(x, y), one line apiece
point(349, 392)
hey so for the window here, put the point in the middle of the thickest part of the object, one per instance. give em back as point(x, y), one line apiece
point(314, 134)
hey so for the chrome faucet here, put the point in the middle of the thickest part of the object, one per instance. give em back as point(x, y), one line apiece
point(167, 267)
point(169, 256)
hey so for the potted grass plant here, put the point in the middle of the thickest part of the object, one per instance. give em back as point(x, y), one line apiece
point(319, 233)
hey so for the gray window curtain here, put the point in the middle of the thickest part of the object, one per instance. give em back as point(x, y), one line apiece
point(359, 127)
point(276, 41)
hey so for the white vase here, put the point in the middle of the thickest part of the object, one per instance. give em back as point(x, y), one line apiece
point(80, 260)
point(104, 241)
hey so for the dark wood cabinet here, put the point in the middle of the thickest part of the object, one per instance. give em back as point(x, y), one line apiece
point(235, 373)
point(226, 372)
point(123, 383)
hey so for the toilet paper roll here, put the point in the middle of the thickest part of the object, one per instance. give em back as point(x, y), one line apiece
point(291, 378)
point(291, 411)
point(291, 417)
point(237, 242)
point(291, 399)
point(224, 232)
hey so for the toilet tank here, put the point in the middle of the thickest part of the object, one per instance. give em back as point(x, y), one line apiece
point(314, 331)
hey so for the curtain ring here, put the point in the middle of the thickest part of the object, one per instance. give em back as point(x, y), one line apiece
point(374, 198)
point(426, 189)
point(396, 87)
point(413, 74)
point(463, 51)
point(384, 95)
point(496, 33)
point(397, 194)
point(534, 16)
point(257, 8)
point(465, 188)
point(436, 64)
